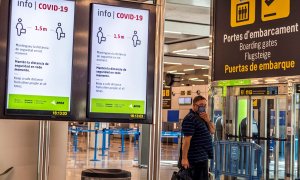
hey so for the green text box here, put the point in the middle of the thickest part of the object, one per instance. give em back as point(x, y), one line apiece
point(32, 102)
point(118, 106)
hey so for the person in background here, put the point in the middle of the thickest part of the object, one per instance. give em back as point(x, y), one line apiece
point(243, 130)
point(197, 141)
point(219, 129)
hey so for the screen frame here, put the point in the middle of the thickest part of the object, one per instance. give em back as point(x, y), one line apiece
point(80, 74)
point(107, 117)
point(33, 114)
point(184, 100)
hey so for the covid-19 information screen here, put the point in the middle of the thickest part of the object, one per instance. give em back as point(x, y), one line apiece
point(118, 62)
point(40, 57)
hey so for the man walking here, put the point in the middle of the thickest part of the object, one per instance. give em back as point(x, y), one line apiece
point(197, 140)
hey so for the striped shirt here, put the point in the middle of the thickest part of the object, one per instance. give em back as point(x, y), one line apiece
point(201, 142)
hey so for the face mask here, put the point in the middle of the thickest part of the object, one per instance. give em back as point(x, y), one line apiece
point(201, 109)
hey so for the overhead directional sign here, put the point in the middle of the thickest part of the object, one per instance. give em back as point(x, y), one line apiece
point(256, 38)
point(259, 91)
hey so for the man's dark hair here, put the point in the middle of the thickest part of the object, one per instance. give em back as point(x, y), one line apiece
point(198, 98)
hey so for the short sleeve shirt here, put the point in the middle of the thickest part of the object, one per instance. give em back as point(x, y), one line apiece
point(201, 141)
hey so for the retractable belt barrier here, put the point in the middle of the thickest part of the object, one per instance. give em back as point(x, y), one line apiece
point(257, 138)
point(77, 130)
point(173, 134)
point(272, 141)
point(237, 159)
point(105, 132)
point(121, 132)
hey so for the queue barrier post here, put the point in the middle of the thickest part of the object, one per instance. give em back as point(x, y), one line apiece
point(103, 143)
point(122, 141)
point(96, 146)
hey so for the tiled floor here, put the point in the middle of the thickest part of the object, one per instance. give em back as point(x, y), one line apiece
point(80, 160)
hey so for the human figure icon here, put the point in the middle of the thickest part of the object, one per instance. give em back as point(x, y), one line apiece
point(135, 39)
point(20, 28)
point(100, 36)
point(59, 32)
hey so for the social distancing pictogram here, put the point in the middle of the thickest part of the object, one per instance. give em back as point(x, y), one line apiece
point(242, 12)
point(274, 9)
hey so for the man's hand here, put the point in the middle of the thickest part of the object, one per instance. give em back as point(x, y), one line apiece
point(185, 163)
point(210, 125)
point(204, 116)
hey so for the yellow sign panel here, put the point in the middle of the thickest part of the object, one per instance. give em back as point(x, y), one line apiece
point(166, 92)
point(254, 102)
point(274, 9)
point(242, 12)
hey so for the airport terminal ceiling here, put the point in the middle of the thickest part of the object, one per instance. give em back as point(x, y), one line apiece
point(187, 39)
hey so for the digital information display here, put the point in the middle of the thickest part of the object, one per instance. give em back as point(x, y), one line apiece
point(40, 57)
point(118, 62)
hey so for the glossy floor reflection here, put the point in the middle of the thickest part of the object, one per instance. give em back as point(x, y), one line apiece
point(128, 160)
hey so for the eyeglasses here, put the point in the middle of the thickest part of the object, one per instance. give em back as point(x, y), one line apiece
point(201, 105)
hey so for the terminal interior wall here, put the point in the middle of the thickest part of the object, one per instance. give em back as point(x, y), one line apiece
point(176, 93)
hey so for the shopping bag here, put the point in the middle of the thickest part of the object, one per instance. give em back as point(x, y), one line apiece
point(182, 174)
point(175, 176)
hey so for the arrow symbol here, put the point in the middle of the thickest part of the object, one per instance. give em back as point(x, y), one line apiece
point(131, 106)
point(269, 2)
point(53, 102)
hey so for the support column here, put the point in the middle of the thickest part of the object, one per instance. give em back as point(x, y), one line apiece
point(144, 145)
point(155, 128)
point(289, 159)
point(44, 147)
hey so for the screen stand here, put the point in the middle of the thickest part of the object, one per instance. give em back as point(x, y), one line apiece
point(44, 148)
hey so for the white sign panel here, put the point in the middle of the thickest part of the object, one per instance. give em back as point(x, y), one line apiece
point(118, 67)
point(40, 56)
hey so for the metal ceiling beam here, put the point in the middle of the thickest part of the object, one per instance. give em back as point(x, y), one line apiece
point(204, 3)
point(186, 61)
point(187, 28)
point(191, 44)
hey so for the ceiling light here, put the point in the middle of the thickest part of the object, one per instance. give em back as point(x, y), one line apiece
point(182, 84)
point(179, 73)
point(202, 47)
point(271, 80)
point(172, 71)
point(205, 68)
point(172, 63)
point(205, 75)
point(188, 69)
point(193, 79)
point(255, 81)
point(198, 80)
point(173, 32)
point(187, 54)
point(201, 65)
point(182, 79)
point(181, 50)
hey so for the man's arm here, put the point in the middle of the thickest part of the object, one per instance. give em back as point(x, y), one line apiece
point(211, 127)
point(185, 150)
